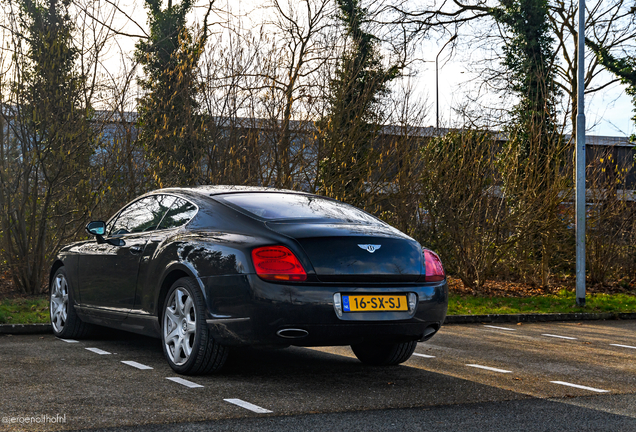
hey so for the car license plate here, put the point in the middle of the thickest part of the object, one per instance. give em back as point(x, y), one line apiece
point(374, 303)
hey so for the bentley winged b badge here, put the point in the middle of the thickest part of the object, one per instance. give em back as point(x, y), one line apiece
point(369, 247)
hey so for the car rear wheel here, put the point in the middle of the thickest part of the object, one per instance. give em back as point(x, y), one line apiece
point(64, 320)
point(384, 354)
point(187, 344)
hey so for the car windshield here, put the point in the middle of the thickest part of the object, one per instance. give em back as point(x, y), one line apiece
point(295, 206)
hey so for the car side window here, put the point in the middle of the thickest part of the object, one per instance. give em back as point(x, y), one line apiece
point(179, 214)
point(142, 215)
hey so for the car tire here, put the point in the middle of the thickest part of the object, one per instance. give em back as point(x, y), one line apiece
point(64, 320)
point(186, 341)
point(384, 354)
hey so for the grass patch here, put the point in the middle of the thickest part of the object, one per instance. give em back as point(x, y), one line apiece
point(562, 302)
point(25, 311)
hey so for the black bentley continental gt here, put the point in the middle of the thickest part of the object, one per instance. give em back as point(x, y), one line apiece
point(208, 268)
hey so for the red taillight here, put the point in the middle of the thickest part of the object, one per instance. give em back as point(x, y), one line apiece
point(434, 269)
point(277, 263)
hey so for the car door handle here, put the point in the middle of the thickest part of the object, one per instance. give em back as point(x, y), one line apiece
point(136, 249)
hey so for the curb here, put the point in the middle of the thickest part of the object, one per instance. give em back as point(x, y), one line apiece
point(474, 319)
point(18, 329)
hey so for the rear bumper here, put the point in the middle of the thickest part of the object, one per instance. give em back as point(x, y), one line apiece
point(245, 310)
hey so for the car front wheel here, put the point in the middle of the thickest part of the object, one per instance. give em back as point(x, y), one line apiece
point(187, 344)
point(384, 354)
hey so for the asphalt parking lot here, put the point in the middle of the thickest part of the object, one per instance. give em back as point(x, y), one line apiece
point(544, 376)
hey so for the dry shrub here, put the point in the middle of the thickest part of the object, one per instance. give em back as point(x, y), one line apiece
point(491, 206)
point(465, 216)
point(611, 222)
point(536, 180)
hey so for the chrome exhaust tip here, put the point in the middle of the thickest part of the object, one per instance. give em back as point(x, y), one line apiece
point(429, 332)
point(292, 333)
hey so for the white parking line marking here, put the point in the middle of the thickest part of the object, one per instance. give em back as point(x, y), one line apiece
point(247, 405)
point(69, 340)
point(186, 383)
point(98, 351)
point(500, 328)
point(489, 368)
point(623, 346)
point(136, 365)
point(557, 336)
point(423, 355)
point(580, 386)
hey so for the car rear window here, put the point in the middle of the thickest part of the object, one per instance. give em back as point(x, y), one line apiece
point(273, 206)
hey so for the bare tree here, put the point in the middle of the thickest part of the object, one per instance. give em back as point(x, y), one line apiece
point(302, 44)
point(45, 153)
point(350, 129)
point(609, 24)
point(231, 86)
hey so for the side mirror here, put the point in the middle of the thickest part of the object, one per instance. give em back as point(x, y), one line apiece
point(96, 228)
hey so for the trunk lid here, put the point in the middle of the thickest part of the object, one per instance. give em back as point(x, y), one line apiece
point(356, 253)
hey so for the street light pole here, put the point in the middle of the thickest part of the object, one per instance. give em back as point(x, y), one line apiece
point(437, 80)
point(580, 163)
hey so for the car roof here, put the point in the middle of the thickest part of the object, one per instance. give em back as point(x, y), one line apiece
point(210, 190)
